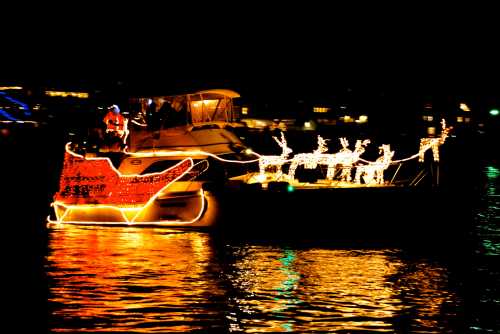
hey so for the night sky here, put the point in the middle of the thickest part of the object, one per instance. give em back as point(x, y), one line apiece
point(291, 51)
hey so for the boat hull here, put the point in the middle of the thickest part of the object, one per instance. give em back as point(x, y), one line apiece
point(361, 213)
point(191, 208)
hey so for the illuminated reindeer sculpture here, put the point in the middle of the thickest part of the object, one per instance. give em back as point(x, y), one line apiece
point(312, 160)
point(277, 161)
point(433, 143)
point(345, 157)
point(373, 173)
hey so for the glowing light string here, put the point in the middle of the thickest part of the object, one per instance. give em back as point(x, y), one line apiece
point(139, 124)
point(23, 105)
point(425, 144)
point(7, 115)
point(189, 154)
point(126, 220)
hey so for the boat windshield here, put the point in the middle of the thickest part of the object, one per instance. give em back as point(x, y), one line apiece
point(210, 107)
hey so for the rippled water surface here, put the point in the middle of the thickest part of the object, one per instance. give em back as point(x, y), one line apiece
point(159, 280)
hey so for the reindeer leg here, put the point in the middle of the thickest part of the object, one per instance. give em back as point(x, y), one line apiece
point(279, 173)
point(357, 177)
point(330, 172)
point(291, 171)
point(435, 152)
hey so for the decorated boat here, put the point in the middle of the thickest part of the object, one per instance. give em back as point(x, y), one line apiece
point(157, 176)
point(192, 170)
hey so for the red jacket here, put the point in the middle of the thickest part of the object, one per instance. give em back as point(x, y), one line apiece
point(114, 122)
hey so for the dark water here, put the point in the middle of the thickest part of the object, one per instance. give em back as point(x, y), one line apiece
point(158, 280)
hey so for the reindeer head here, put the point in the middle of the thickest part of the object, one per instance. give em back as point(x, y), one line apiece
point(360, 145)
point(322, 148)
point(385, 149)
point(444, 132)
point(345, 144)
point(285, 150)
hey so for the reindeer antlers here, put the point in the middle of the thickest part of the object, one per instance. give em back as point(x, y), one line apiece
point(344, 142)
point(283, 140)
point(321, 145)
point(286, 150)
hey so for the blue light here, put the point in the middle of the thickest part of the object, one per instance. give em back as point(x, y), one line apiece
point(7, 115)
point(24, 105)
point(290, 188)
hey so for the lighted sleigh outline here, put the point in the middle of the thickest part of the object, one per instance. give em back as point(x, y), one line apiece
point(64, 205)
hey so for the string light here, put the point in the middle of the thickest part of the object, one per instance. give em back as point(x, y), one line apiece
point(139, 124)
point(80, 95)
point(162, 153)
point(123, 211)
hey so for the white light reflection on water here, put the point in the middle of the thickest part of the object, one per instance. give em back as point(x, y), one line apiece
point(150, 280)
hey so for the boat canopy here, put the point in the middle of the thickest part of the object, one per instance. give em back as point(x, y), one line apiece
point(221, 92)
point(213, 105)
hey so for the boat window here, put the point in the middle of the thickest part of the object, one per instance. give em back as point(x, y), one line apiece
point(206, 108)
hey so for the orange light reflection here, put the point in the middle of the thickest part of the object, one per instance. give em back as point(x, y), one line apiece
point(135, 275)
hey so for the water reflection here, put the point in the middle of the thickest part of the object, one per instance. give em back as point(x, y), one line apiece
point(325, 290)
point(129, 279)
point(150, 280)
point(486, 271)
point(489, 216)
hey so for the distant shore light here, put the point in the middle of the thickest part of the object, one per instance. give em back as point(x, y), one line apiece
point(464, 107)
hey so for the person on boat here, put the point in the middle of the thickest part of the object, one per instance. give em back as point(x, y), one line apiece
point(178, 114)
point(114, 120)
point(115, 127)
point(167, 113)
point(154, 114)
point(164, 113)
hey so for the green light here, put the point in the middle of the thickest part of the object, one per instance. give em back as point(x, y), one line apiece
point(290, 188)
point(494, 112)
